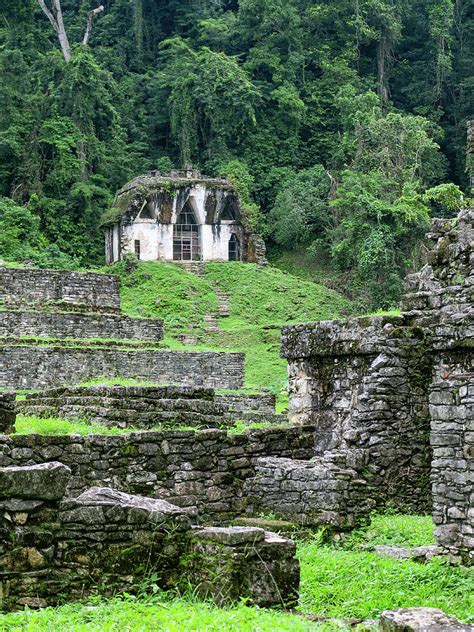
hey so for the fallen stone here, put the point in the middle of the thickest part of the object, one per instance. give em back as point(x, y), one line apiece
point(418, 553)
point(414, 619)
point(91, 507)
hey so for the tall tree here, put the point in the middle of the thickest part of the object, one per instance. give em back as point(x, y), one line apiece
point(54, 13)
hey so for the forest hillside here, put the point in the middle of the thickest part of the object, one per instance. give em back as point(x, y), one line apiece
point(342, 123)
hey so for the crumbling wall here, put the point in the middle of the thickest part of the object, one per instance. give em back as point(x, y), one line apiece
point(52, 547)
point(440, 298)
point(40, 367)
point(206, 469)
point(364, 384)
point(59, 289)
point(398, 391)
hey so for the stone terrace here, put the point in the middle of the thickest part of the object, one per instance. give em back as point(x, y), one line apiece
point(149, 406)
point(60, 328)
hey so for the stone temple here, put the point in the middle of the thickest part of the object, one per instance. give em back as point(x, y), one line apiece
point(180, 216)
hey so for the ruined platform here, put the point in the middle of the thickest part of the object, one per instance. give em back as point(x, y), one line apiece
point(59, 328)
point(52, 547)
point(148, 406)
point(398, 391)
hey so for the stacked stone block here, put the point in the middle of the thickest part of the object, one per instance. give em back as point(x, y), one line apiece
point(7, 413)
point(440, 298)
point(52, 547)
point(149, 406)
point(324, 491)
point(228, 564)
point(364, 384)
point(206, 469)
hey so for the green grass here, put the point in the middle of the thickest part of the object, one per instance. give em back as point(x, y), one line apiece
point(397, 530)
point(261, 300)
point(58, 426)
point(152, 614)
point(348, 581)
point(339, 583)
point(336, 583)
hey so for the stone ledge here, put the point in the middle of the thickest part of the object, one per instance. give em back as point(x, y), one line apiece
point(355, 336)
point(46, 481)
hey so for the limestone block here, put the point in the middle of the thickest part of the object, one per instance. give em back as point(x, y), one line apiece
point(228, 563)
point(413, 619)
point(418, 553)
point(99, 505)
point(47, 481)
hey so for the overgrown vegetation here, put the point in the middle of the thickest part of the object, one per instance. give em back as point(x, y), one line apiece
point(337, 582)
point(261, 300)
point(342, 123)
point(59, 426)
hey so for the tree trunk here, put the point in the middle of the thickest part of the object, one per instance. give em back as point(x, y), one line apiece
point(90, 17)
point(55, 16)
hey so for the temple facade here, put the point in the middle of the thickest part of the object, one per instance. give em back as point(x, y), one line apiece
point(180, 216)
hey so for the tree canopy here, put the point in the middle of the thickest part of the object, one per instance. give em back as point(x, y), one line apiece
point(343, 118)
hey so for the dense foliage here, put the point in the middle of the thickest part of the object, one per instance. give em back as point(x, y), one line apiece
point(336, 116)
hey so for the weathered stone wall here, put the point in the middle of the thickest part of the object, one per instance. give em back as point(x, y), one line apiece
point(50, 547)
point(440, 298)
point(75, 325)
point(42, 367)
point(144, 407)
point(59, 289)
point(388, 387)
point(262, 402)
point(7, 413)
point(364, 384)
point(205, 469)
point(452, 438)
point(324, 491)
point(53, 547)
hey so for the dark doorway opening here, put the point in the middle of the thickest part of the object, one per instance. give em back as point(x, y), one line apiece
point(234, 248)
point(186, 236)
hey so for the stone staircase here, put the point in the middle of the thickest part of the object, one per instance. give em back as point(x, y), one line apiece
point(211, 320)
point(194, 267)
point(222, 303)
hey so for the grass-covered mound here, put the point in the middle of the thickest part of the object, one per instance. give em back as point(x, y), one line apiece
point(261, 300)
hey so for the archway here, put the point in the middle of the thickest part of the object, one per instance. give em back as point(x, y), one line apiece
point(186, 236)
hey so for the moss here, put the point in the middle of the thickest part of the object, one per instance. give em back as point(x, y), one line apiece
point(129, 450)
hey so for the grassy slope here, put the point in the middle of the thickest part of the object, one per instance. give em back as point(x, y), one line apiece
point(337, 581)
point(261, 301)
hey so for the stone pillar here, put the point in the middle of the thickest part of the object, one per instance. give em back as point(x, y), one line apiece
point(7, 413)
point(452, 438)
point(228, 563)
